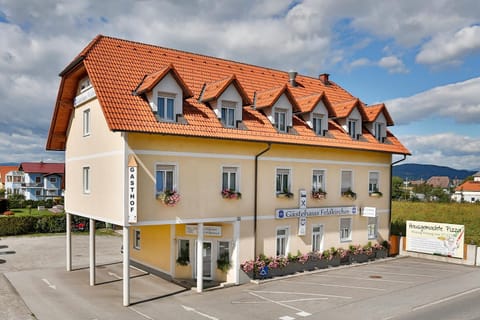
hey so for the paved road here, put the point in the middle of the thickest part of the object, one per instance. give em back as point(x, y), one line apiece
point(403, 289)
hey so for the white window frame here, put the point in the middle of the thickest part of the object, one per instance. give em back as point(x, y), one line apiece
point(231, 170)
point(283, 238)
point(283, 172)
point(373, 186)
point(228, 106)
point(86, 122)
point(345, 232)
point(280, 125)
point(315, 184)
point(136, 239)
point(166, 167)
point(317, 124)
point(372, 228)
point(84, 85)
point(86, 179)
point(318, 237)
point(228, 248)
point(378, 127)
point(352, 127)
point(165, 96)
point(342, 187)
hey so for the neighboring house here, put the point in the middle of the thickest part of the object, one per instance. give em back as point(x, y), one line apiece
point(3, 174)
point(469, 191)
point(168, 144)
point(36, 180)
point(442, 182)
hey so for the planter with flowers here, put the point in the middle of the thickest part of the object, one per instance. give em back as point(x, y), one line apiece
point(223, 263)
point(376, 193)
point(285, 194)
point(231, 194)
point(169, 198)
point(333, 257)
point(357, 254)
point(349, 194)
point(319, 194)
point(381, 250)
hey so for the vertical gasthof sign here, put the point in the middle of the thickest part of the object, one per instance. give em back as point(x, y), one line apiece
point(132, 189)
point(302, 221)
point(435, 238)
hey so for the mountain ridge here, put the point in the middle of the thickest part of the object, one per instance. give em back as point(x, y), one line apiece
point(416, 171)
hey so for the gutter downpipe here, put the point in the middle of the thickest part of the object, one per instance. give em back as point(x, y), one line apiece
point(391, 189)
point(255, 208)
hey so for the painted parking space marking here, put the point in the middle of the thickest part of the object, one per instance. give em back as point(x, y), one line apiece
point(304, 293)
point(398, 273)
point(337, 285)
point(365, 279)
point(286, 318)
point(445, 299)
point(140, 313)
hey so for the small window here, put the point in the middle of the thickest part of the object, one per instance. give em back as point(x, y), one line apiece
point(352, 128)
point(86, 179)
point(38, 179)
point(317, 238)
point(53, 180)
point(317, 124)
point(165, 107)
point(282, 241)
point(165, 175)
point(38, 193)
point(229, 179)
point(228, 114)
point(183, 255)
point(372, 228)
point(378, 131)
point(85, 84)
point(86, 122)
point(345, 229)
point(318, 181)
point(373, 178)
point(136, 239)
point(283, 181)
point(347, 181)
point(280, 120)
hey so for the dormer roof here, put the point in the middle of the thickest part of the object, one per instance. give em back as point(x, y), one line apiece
point(213, 90)
point(344, 109)
point(372, 112)
point(308, 103)
point(152, 79)
point(267, 98)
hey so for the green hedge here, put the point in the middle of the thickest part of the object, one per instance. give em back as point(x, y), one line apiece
point(11, 225)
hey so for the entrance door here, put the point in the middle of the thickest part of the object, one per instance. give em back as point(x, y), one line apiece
point(207, 260)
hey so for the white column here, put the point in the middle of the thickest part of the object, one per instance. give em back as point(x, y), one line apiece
point(236, 252)
point(92, 252)
point(200, 258)
point(68, 230)
point(126, 266)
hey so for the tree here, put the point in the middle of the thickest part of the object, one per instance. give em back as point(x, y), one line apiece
point(397, 187)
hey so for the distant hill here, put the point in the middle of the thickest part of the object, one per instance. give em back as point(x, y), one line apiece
point(9, 164)
point(414, 171)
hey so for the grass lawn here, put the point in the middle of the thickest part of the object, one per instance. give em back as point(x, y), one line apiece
point(30, 212)
point(467, 214)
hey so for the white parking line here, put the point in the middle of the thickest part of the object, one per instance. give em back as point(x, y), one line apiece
point(336, 285)
point(140, 313)
point(397, 273)
point(366, 279)
point(305, 294)
point(445, 299)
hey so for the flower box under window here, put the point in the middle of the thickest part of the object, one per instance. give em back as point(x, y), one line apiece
point(231, 194)
point(284, 195)
point(349, 194)
point(169, 198)
point(319, 194)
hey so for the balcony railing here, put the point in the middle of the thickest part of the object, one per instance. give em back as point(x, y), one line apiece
point(84, 96)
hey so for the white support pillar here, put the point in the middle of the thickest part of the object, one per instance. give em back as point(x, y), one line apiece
point(68, 253)
point(236, 252)
point(92, 252)
point(200, 258)
point(126, 266)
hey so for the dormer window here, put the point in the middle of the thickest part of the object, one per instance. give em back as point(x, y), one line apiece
point(317, 120)
point(280, 118)
point(165, 106)
point(352, 128)
point(84, 85)
point(378, 127)
point(228, 113)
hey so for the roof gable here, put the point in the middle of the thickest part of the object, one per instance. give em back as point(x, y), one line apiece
point(308, 103)
point(268, 98)
point(372, 113)
point(151, 80)
point(213, 90)
point(42, 167)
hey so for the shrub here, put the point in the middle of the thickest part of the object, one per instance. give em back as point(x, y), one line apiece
point(11, 225)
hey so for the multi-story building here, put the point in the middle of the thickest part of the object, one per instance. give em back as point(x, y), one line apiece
point(468, 191)
point(200, 158)
point(36, 180)
point(3, 174)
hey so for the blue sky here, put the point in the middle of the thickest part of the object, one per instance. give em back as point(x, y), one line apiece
point(421, 58)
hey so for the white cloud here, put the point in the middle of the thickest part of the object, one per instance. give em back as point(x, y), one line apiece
point(362, 62)
point(393, 64)
point(459, 101)
point(448, 48)
point(446, 149)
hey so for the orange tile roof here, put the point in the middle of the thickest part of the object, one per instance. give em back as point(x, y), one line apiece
point(213, 90)
point(308, 103)
point(4, 170)
point(117, 67)
point(372, 112)
point(344, 108)
point(472, 186)
point(151, 80)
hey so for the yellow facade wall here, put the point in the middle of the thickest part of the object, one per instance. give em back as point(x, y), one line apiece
point(155, 246)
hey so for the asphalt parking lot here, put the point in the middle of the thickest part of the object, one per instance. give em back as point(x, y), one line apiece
point(400, 288)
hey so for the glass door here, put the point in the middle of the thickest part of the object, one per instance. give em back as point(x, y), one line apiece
point(207, 260)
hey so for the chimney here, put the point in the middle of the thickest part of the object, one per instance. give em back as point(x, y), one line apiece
point(324, 78)
point(291, 77)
